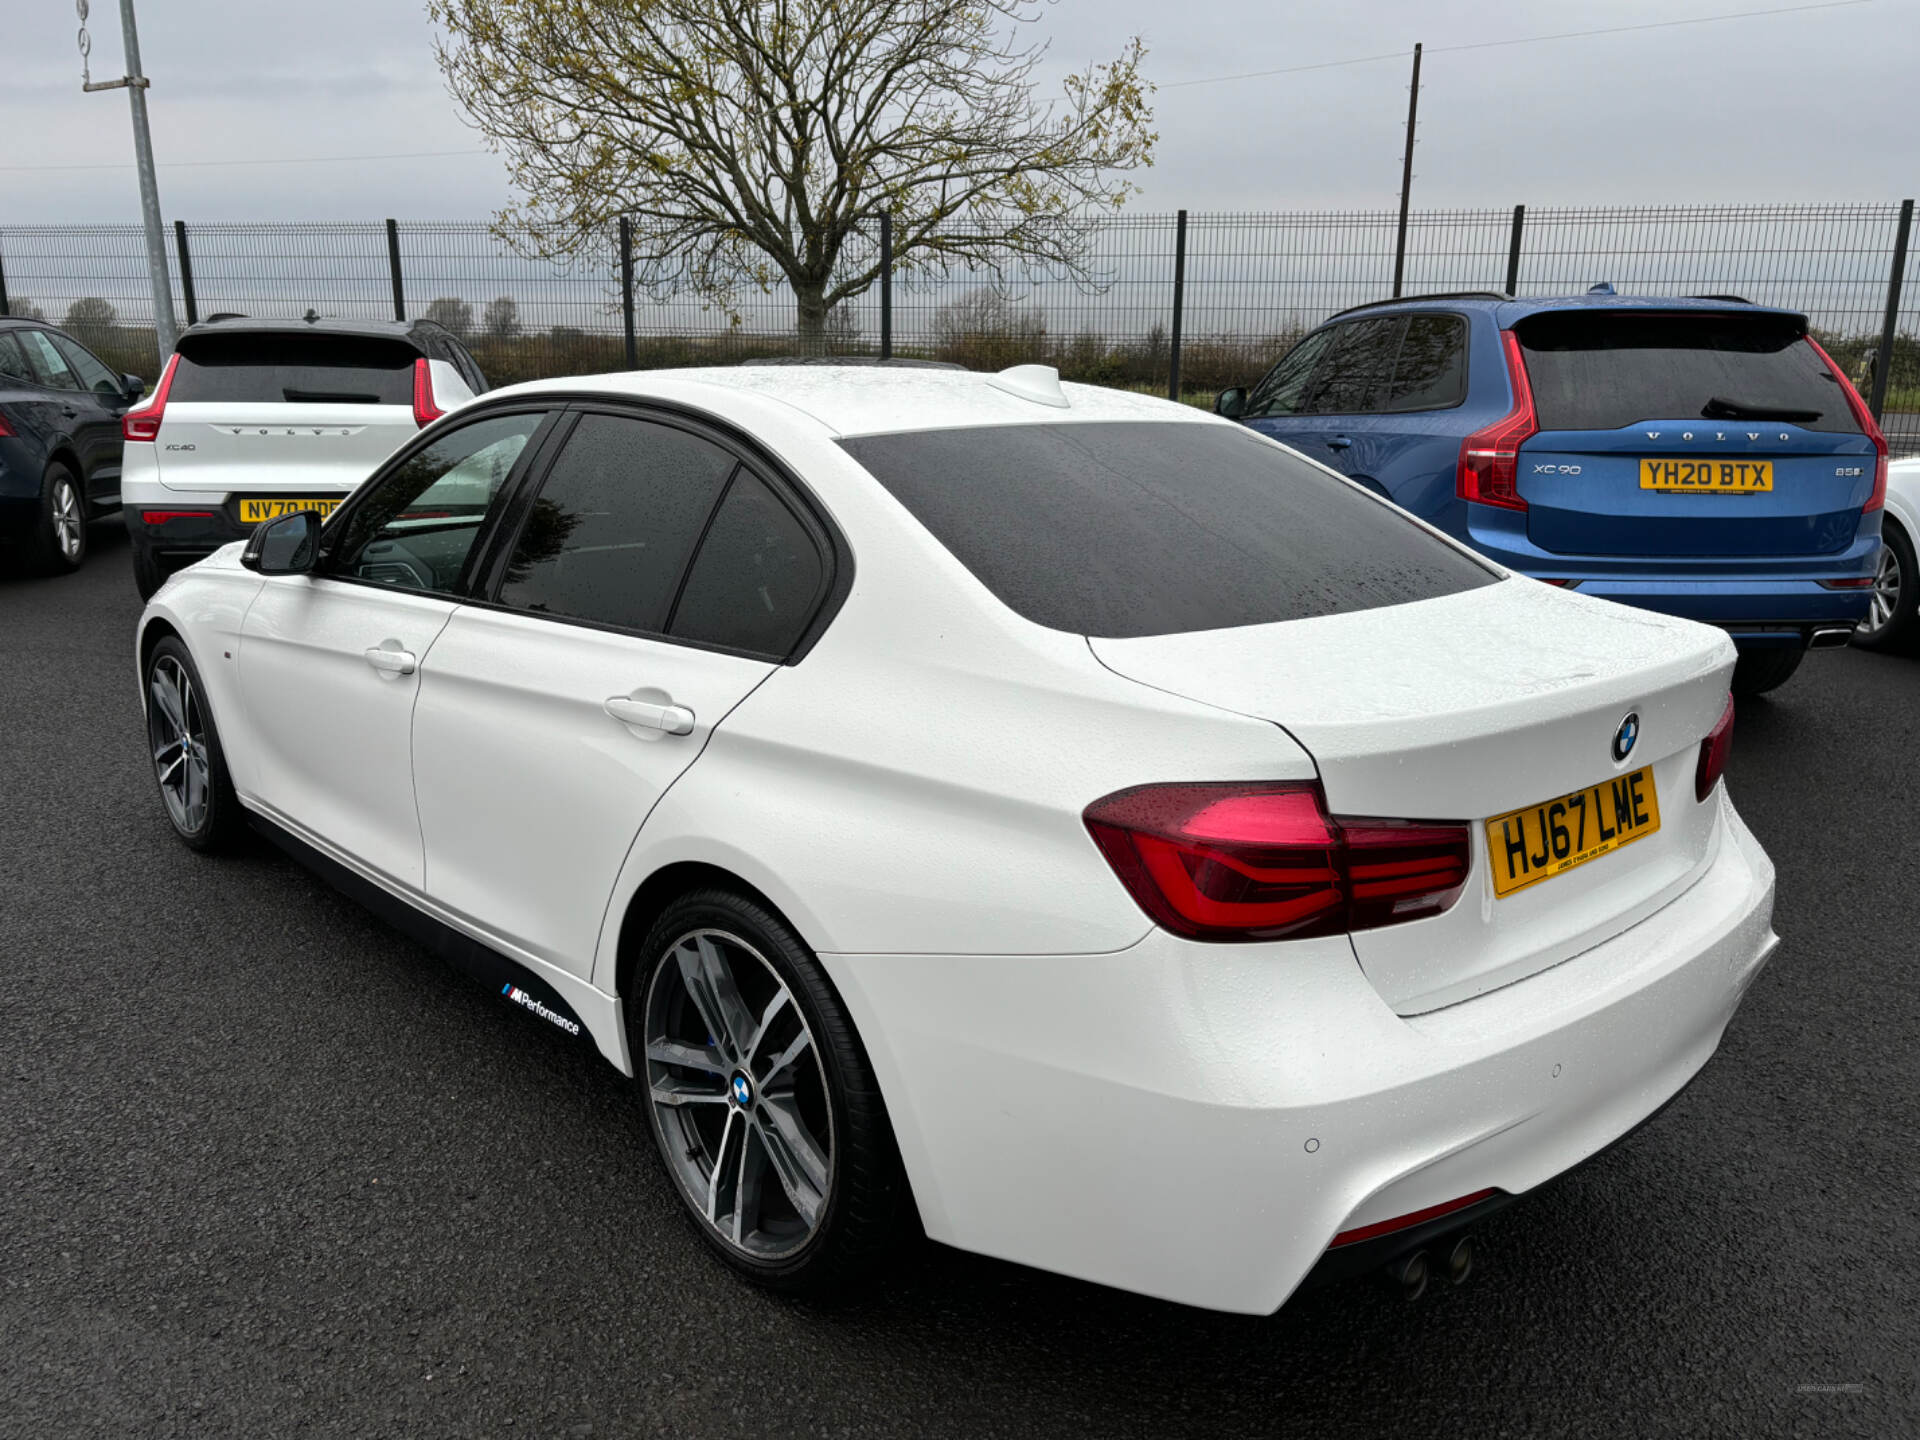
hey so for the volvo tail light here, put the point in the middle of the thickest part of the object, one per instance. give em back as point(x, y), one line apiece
point(1869, 427)
point(1713, 753)
point(142, 422)
point(1267, 862)
point(426, 409)
point(1489, 471)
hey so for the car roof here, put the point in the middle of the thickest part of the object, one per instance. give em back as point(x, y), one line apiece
point(1508, 310)
point(871, 400)
point(247, 324)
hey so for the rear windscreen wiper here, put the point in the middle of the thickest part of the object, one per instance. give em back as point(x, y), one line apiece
point(1719, 408)
point(326, 397)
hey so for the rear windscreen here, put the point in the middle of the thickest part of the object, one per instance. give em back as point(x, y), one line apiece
point(1126, 529)
point(300, 367)
point(1600, 370)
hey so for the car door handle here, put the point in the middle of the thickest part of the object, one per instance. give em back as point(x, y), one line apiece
point(672, 719)
point(68, 411)
point(1340, 442)
point(391, 662)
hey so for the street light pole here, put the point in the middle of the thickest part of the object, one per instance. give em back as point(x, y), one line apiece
point(166, 332)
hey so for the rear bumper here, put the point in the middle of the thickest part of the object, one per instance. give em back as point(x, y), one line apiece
point(195, 523)
point(1198, 1122)
point(1762, 596)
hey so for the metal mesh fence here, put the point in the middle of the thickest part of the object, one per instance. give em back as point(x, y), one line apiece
point(1253, 283)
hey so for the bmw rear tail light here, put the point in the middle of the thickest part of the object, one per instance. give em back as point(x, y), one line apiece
point(142, 422)
point(1267, 862)
point(426, 409)
point(1863, 417)
point(1713, 753)
point(1490, 459)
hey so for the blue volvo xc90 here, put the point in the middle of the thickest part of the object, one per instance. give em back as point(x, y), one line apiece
point(1702, 457)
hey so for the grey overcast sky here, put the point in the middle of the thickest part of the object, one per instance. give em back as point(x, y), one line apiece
point(1813, 105)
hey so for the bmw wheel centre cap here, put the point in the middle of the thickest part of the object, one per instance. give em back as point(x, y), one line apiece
point(742, 1091)
point(1626, 737)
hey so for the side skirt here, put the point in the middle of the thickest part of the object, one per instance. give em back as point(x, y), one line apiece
point(507, 978)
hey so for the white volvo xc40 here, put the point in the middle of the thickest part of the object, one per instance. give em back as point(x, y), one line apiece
point(1069, 816)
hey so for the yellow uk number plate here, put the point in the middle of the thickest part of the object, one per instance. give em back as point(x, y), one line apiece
point(1542, 841)
point(253, 511)
point(1708, 477)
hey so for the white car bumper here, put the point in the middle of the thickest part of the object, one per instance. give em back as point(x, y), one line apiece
point(1198, 1122)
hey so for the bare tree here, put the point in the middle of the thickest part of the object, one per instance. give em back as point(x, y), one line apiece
point(501, 319)
point(751, 138)
point(451, 313)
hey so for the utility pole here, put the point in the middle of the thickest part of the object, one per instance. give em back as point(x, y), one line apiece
point(1406, 174)
point(166, 332)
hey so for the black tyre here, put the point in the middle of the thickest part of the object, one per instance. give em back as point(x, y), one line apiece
point(147, 574)
point(60, 533)
point(1758, 671)
point(188, 762)
point(1890, 623)
point(760, 1097)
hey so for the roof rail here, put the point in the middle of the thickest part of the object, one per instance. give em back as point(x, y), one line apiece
point(1733, 299)
point(1442, 295)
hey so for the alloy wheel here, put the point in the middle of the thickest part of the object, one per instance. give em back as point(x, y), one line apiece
point(1884, 602)
point(739, 1095)
point(68, 524)
point(177, 736)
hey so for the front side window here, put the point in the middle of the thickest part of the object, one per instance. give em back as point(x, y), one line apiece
point(93, 375)
point(416, 528)
point(1280, 393)
point(44, 365)
point(607, 538)
point(12, 362)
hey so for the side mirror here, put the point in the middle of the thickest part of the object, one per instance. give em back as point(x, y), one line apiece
point(284, 546)
point(132, 386)
point(1231, 403)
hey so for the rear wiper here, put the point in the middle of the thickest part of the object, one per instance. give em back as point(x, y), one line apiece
point(1719, 408)
point(327, 397)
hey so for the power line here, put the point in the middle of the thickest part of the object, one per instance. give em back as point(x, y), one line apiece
point(1520, 40)
point(1169, 85)
point(295, 160)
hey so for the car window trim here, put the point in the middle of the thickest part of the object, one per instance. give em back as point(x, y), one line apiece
point(459, 594)
point(836, 558)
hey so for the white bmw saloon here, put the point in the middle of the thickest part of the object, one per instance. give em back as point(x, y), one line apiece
point(1055, 814)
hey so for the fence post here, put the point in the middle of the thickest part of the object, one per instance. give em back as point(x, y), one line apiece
point(393, 264)
point(626, 289)
point(186, 272)
point(886, 284)
point(1513, 250)
point(1883, 357)
point(1179, 304)
point(6, 307)
point(1406, 176)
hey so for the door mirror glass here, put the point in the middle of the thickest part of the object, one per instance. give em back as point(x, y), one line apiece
point(1231, 402)
point(132, 386)
point(285, 546)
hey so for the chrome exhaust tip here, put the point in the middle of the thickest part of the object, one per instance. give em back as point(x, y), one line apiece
point(1829, 637)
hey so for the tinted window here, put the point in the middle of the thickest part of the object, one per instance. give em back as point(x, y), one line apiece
point(1600, 370)
point(1280, 393)
point(1430, 371)
point(311, 368)
point(417, 526)
point(93, 375)
point(44, 364)
point(1354, 376)
point(12, 362)
point(758, 575)
point(1153, 529)
point(609, 534)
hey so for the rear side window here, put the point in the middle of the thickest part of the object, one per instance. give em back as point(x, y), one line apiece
point(1126, 529)
point(44, 365)
point(757, 577)
point(298, 367)
point(12, 362)
point(608, 537)
point(1601, 370)
point(1354, 376)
